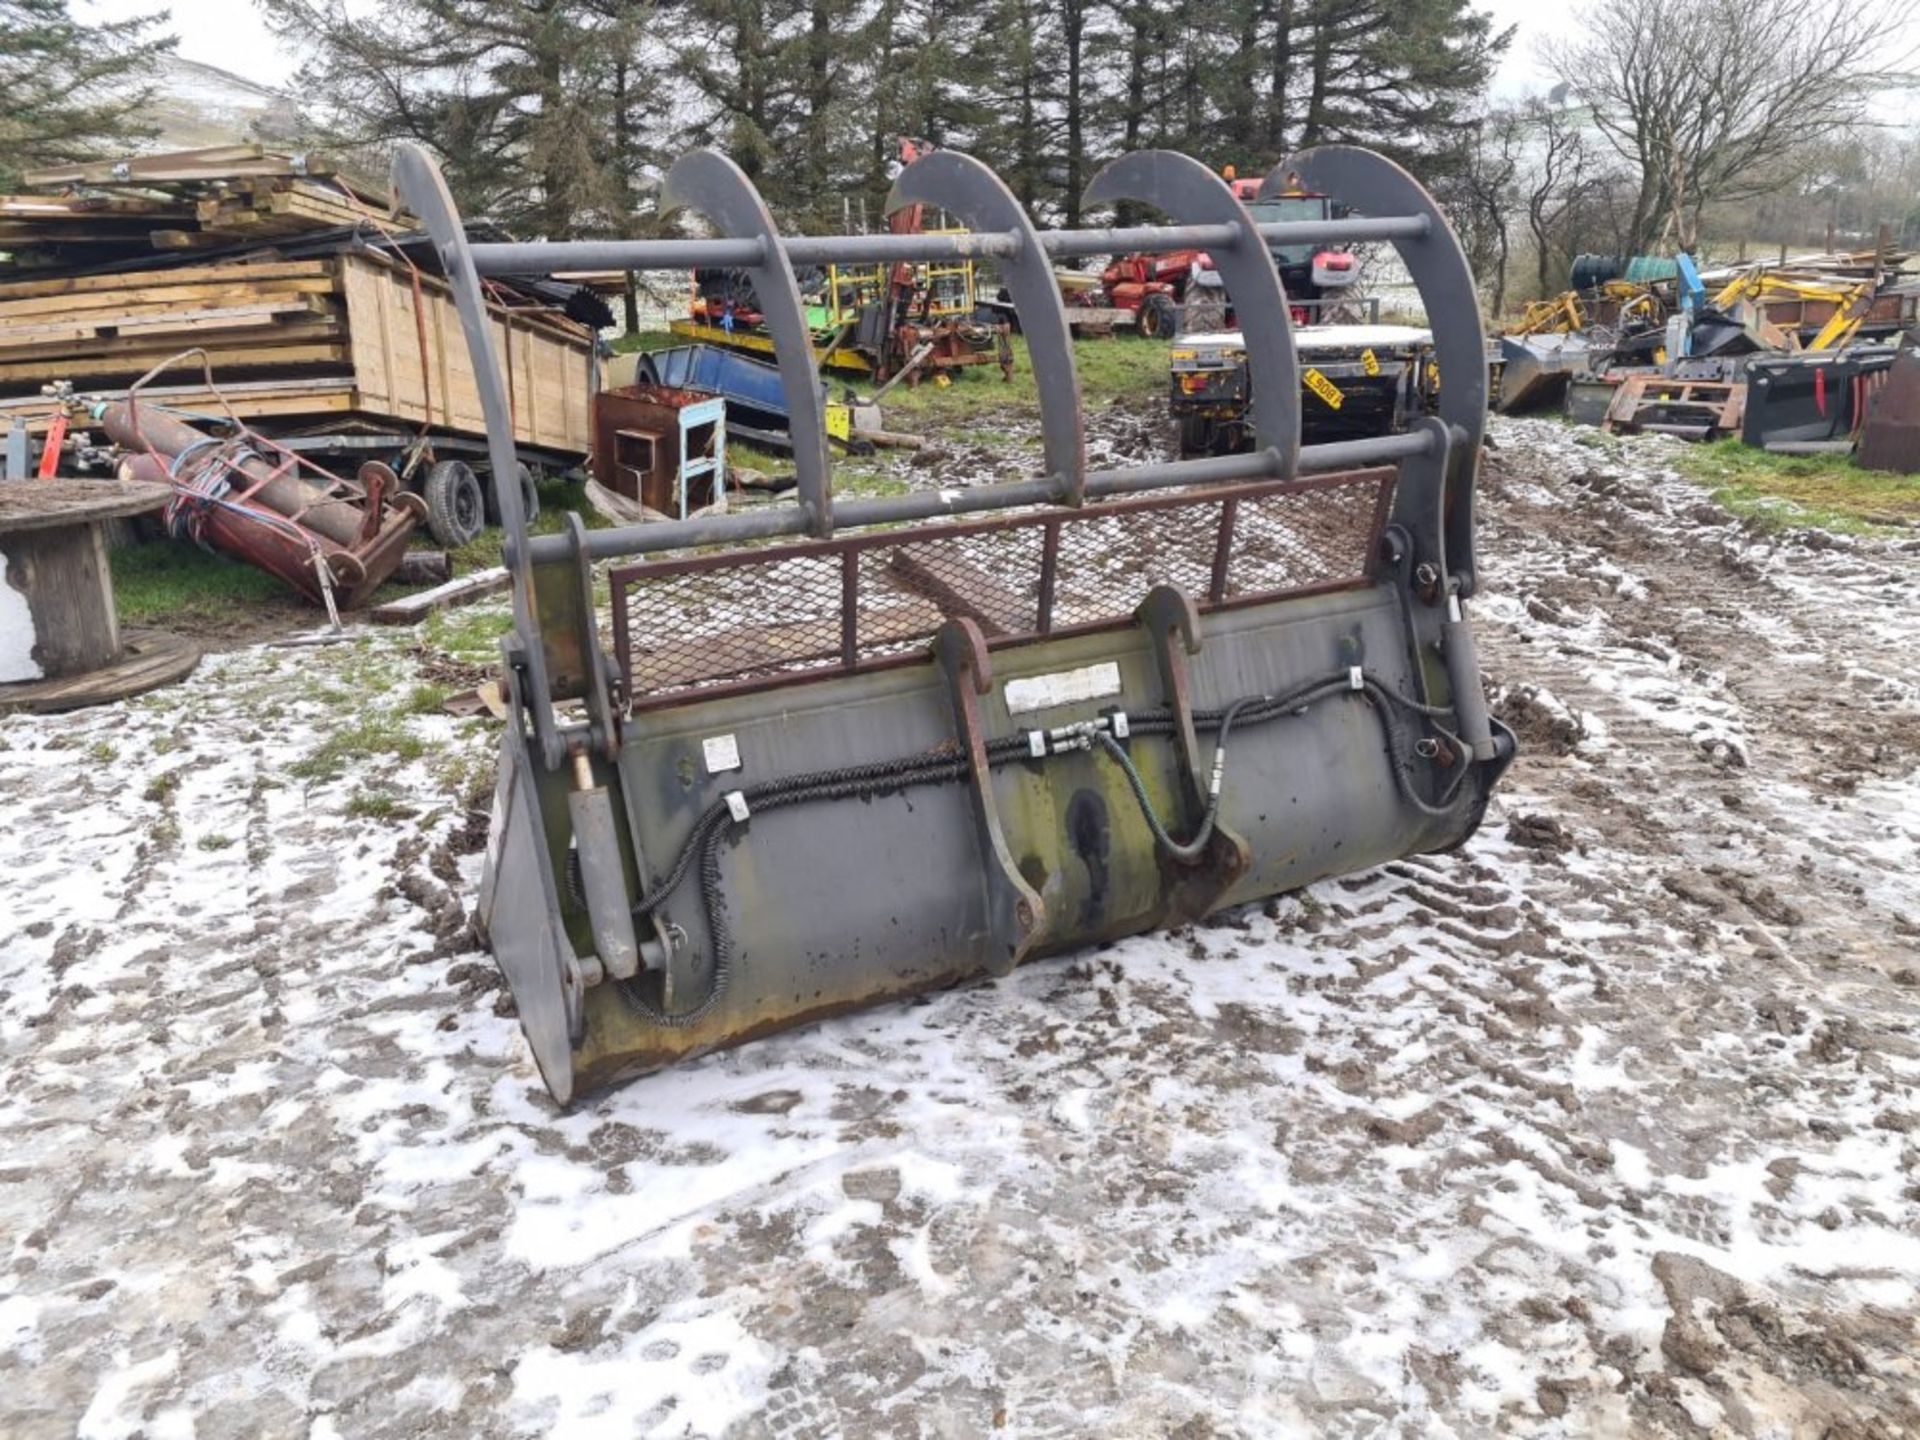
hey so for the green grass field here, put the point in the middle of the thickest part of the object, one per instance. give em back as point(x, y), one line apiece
point(1790, 491)
point(168, 582)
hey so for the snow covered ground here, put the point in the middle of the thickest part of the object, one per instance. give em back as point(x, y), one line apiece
point(1606, 1125)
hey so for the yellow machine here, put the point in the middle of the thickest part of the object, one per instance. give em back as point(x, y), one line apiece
point(1562, 315)
point(860, 318)
point(1757, 287)
point(1567, 313)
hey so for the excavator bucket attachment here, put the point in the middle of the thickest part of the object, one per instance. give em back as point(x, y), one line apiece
point(745, 785)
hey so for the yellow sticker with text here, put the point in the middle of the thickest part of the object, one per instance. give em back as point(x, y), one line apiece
point(1324, 388)
point(1369, 362)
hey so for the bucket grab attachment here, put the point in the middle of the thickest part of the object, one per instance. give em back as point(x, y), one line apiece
point(929, 736)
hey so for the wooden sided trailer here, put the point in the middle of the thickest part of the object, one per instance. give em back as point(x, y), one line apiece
point(345, 358)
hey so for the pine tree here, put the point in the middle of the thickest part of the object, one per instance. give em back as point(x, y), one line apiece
point(554, 115)
point(71, 91)
point(541, 111)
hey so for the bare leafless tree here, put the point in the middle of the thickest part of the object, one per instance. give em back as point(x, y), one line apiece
point(1718, 99)
point(1566, 175)
point(1477, 189)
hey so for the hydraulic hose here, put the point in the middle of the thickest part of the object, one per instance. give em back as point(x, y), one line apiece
point(1196, 847)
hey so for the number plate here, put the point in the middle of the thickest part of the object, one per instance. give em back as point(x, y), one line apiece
point(1369, 362)
point(1324, 388)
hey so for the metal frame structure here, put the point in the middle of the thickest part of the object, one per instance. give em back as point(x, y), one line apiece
point(577, 889)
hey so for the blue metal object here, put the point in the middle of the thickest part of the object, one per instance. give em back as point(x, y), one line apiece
point(755, 392)
point(1693, 299)
point(1692, 291)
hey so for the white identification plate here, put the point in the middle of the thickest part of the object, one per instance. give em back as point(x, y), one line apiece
point(1063, 687)
point(722, 752)
point(496, 825)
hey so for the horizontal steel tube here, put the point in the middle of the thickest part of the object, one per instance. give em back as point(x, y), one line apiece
point(1144, 239)
point(893, 249)
point(1377, 450)
point(542, 257)
point(566, 255)
point(1354, 230)
point(764, 524)
point(926, 504)
point(1160, 474)
point(851, 514)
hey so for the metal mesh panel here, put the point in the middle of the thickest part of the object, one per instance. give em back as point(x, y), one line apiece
point(993, 578)
point(751, 618)
point(1300, 540)
point(1108, 564)
point(710, 625)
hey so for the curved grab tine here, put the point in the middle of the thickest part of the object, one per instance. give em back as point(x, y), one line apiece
point(424, 191)
point(1375, 186)
point(961, 184)
point(708, 182)
point(1191, 194)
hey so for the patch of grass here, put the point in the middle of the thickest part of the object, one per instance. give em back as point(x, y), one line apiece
point(161, 787)
point(1123, 366)
point(646, 341)
point(742, 456)
point(215, 842)
point(1830, 492)
point(376, 805)
point(427, 699)
point(469, 777)
point(368, 738)
point(101, 752)
point(171, 581)
point(472, 635)
point(862, 475)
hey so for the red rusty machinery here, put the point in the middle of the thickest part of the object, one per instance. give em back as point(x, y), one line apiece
point(1155, 284)
point(333, 540)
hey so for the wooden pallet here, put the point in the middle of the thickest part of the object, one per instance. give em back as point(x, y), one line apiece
point(211, 165)
point(1696, 409)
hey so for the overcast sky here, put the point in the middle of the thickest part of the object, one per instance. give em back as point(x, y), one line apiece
point(229, 34)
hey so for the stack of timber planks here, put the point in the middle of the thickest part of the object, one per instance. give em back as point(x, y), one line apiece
point(113, 328)
point(184, 200)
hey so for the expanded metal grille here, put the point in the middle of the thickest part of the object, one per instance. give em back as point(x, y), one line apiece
point(751, 619)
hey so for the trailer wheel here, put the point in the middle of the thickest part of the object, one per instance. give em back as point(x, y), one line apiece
point(529, 495)
point(456, 508)
point(1196, 436)
point(529, 492)
point(1157, 317)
